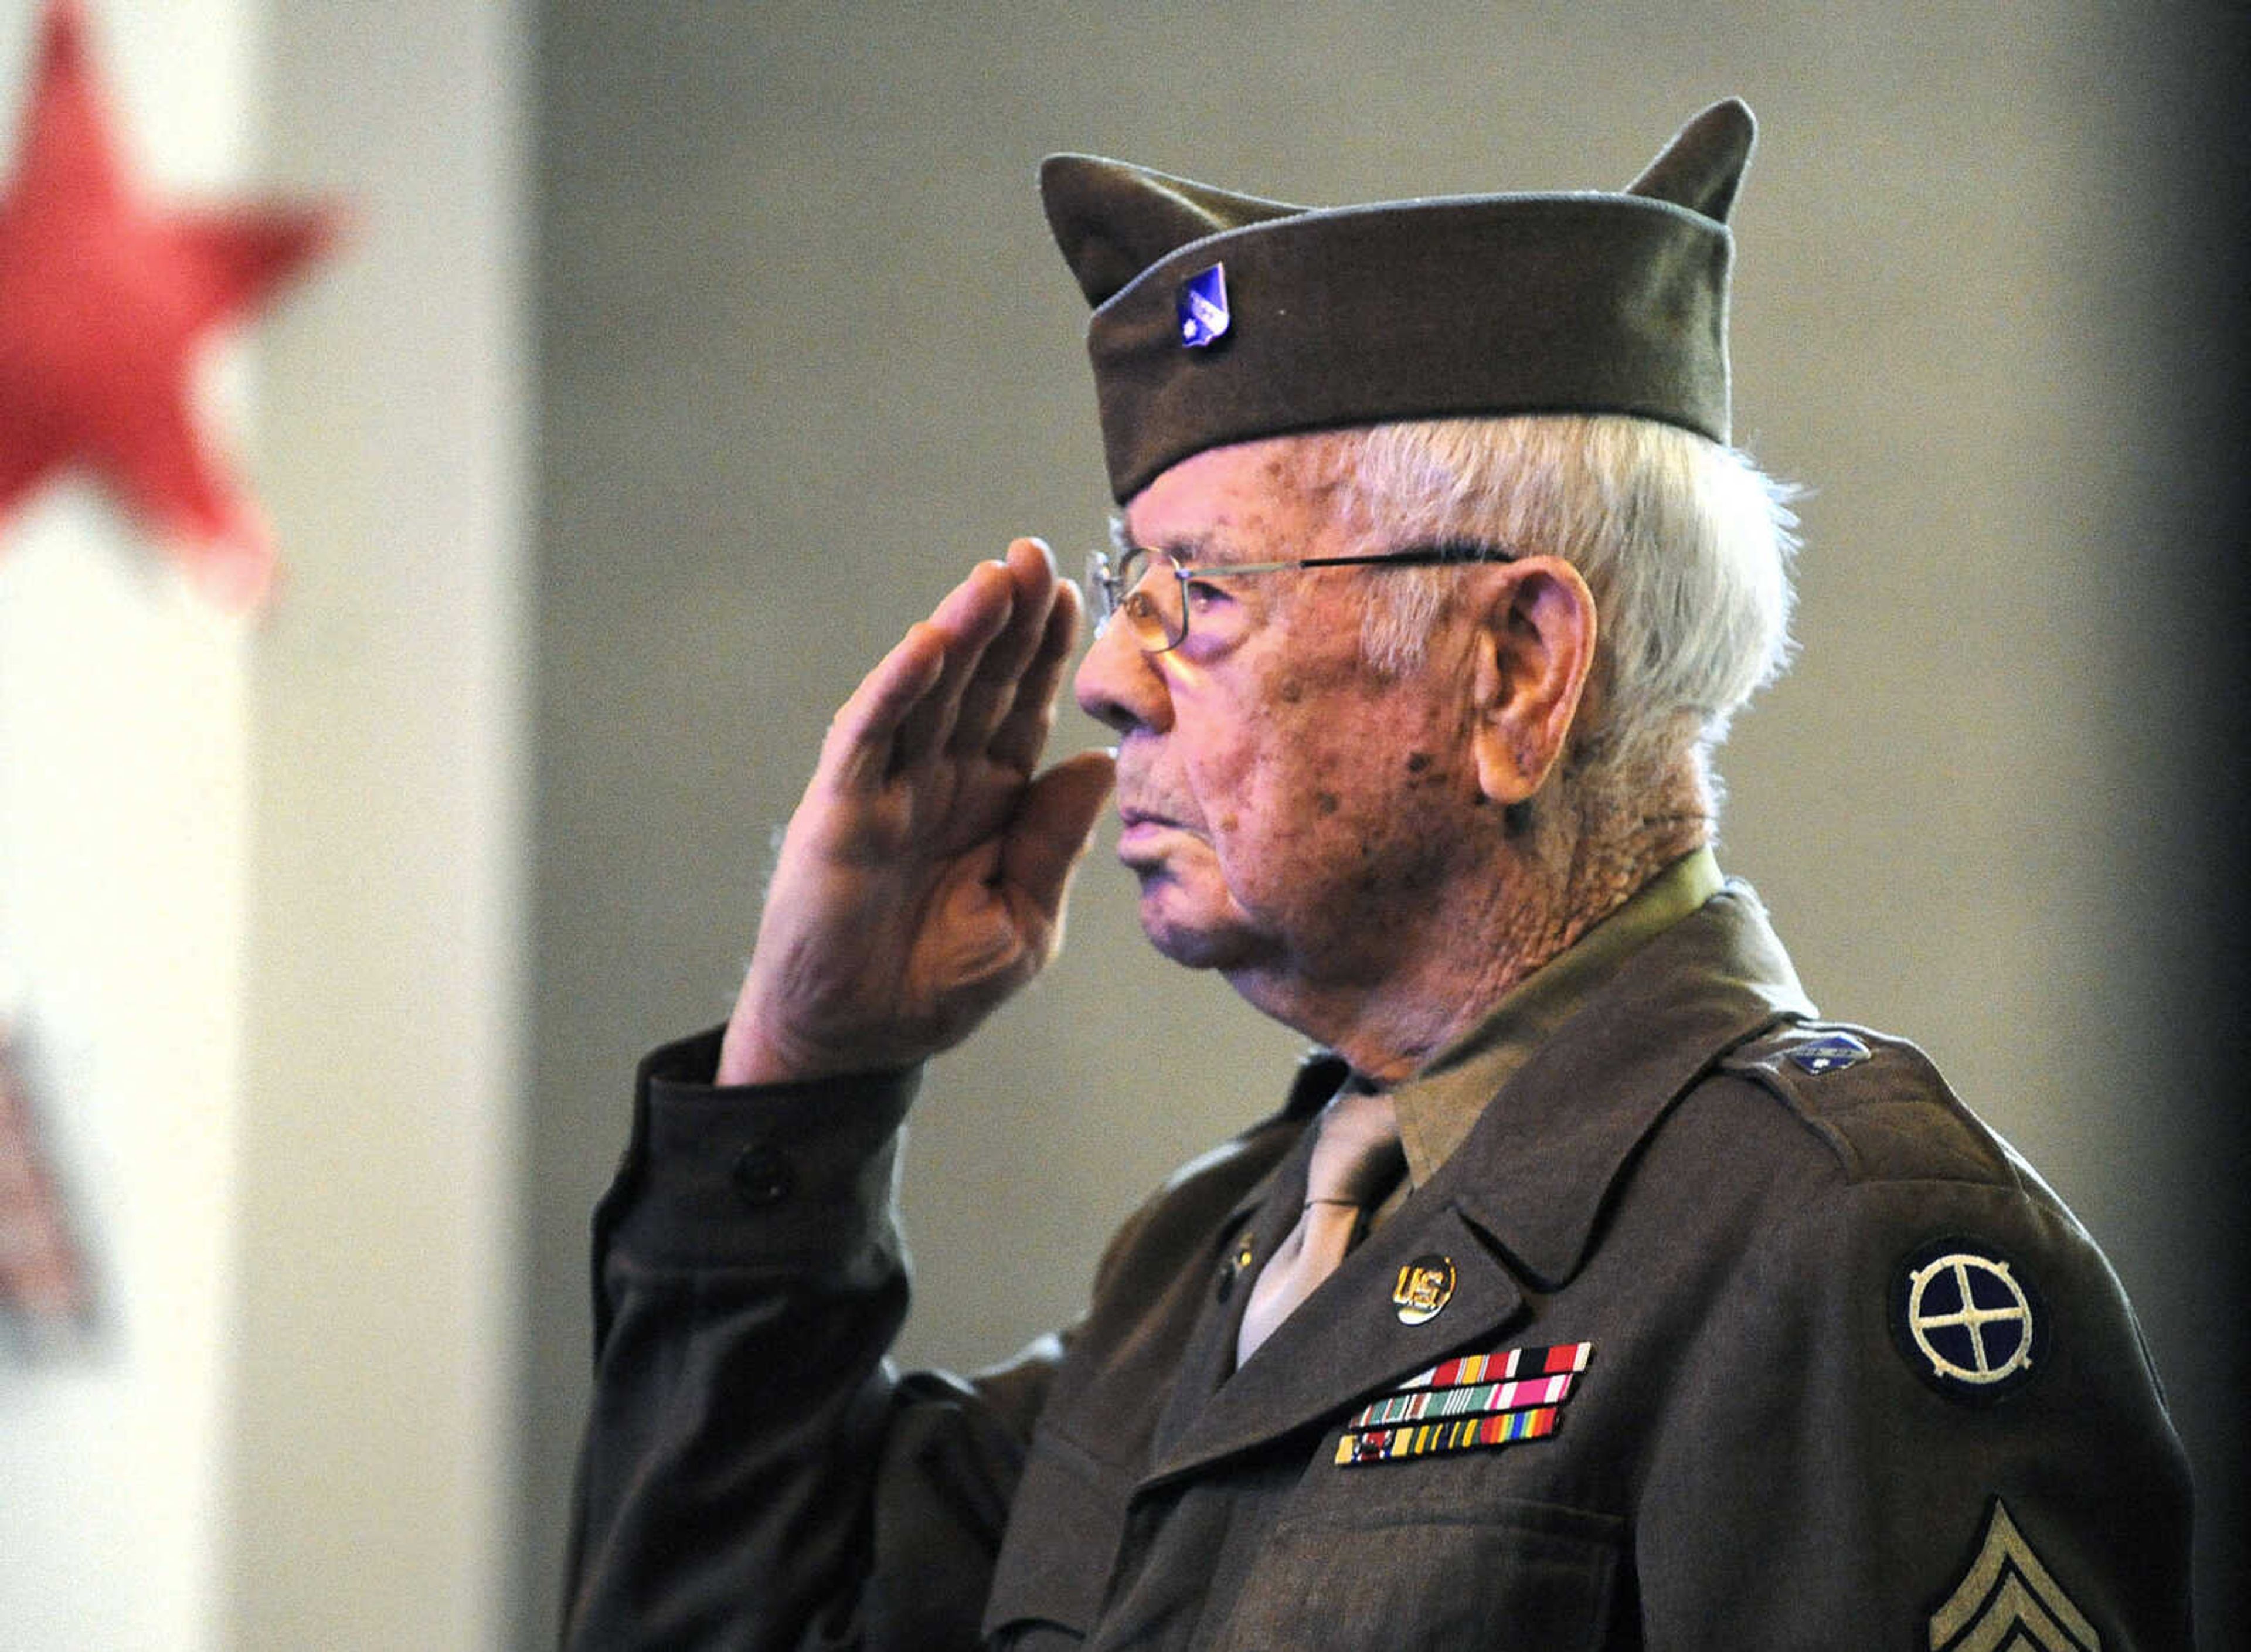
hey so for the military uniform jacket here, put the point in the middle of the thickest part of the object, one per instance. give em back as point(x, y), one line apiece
point(1781, 1348)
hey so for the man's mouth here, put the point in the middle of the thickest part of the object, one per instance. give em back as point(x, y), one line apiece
point(1141, 831)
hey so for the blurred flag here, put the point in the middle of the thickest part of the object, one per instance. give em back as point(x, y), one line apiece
point(45, 1296)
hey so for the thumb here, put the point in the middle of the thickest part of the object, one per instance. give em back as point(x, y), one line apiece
point(1049, 836)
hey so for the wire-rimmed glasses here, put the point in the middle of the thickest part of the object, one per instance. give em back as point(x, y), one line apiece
point(1154, 591)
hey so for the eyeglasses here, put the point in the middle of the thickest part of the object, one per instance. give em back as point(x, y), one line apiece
point(1154, 593)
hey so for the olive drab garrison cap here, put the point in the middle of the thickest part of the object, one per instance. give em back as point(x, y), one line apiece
point(1220, 317)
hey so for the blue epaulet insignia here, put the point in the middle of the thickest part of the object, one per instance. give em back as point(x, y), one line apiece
point(1831, 1053)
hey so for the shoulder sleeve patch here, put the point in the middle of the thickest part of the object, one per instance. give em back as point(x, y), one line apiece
point(1968, 1321)
point(1878, 1103)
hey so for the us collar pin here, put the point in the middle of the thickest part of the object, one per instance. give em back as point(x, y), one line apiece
point(1202, 308)
point(1426, 1286)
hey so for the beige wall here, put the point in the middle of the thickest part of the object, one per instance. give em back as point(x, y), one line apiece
point(803, 351)
point(372, 1432)
point(806, 352)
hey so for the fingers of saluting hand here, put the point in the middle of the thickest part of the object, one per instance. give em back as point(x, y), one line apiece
point(974, 615)
point(998, 683)
point(856, 756)
point(1021, 733)
point(979, 676)
point(907, 704)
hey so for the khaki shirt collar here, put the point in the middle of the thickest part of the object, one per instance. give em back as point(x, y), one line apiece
point(1547, 1146)
point(1439, 1105)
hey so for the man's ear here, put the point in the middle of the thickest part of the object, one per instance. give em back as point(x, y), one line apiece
point(1535, 646)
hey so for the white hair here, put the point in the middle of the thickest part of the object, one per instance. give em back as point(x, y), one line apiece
point(1686, 546)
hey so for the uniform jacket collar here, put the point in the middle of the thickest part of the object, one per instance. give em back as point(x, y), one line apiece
point(1537, 1171)
point(1519, 1204)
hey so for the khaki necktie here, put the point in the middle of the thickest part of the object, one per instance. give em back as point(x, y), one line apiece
point(1355, 1161)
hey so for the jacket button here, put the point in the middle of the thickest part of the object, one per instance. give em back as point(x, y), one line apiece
point(1232, 1266)
point(762, 1175)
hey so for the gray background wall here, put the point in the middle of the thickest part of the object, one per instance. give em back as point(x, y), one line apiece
point(804, 352)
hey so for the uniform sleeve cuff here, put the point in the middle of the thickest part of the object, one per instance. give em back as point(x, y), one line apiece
point(787, 1177)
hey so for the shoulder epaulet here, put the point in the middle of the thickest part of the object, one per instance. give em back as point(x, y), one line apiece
point(1879, 1102)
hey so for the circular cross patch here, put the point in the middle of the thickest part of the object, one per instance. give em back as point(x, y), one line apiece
point(1966, 1321)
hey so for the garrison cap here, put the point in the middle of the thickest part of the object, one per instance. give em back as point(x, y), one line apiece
point(1220, 317)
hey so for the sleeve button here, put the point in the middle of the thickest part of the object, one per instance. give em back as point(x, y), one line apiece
point(762, 1175)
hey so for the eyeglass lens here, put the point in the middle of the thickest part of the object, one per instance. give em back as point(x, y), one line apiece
point(1143, 587)
point(1152, 603)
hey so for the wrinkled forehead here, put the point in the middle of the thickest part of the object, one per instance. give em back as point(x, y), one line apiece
point(1246, 502)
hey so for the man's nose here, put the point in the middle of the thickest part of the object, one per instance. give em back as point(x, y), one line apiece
point(1119, 685)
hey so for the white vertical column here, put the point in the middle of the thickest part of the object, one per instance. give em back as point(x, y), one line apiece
point(373, 1415)
point(124, 803)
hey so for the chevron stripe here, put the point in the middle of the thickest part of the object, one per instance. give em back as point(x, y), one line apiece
point(2009, 1600)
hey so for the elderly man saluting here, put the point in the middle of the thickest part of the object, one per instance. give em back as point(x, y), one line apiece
point(1587, 1291)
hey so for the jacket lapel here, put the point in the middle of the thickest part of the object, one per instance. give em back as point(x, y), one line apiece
point(1520, 1200)
point(1346, 1342)
point(1264, 1219)
point(1537, 1171)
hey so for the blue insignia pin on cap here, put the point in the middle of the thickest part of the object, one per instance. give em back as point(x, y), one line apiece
point(1203, 307)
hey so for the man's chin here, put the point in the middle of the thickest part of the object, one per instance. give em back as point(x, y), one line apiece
point(1190, 952)
point(1192, 944)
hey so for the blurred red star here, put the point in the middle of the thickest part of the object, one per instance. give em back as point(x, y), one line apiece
point(104, 299)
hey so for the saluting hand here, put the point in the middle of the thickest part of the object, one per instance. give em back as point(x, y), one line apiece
point(922, 879)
